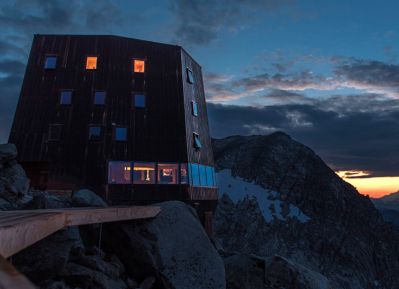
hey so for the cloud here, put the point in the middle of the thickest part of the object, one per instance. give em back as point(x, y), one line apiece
point(199, 22)
point(357, 140)
point(371, 75)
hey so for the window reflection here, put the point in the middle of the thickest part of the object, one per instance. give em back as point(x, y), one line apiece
point(119, 172)
point(168, 173)
point(144, 173)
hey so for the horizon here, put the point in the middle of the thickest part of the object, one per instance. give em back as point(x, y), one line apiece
point(327, 74)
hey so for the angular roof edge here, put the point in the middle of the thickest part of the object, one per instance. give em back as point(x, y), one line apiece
point(125, 37)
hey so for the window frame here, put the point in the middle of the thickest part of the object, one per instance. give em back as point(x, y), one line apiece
point(101, 132)
point(115, 134)
point(87, 58)
point(177, 172)
point(196, 137)
point(155, 174)
point(60, 97)
point(59, 134)
point(130, 173)
point(136, 93)
point(190, 75)
point(194, 108)
point(134, 65)
point(94, 97)
point(187, 182)
point(45, 61)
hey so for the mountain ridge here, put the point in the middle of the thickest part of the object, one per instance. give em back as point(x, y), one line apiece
point(345, 231)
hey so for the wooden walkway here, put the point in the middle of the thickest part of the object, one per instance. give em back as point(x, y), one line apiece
point(20, 229)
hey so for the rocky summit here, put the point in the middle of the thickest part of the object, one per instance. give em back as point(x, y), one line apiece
point(281, 203)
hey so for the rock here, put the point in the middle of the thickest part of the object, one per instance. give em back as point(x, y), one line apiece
point(8, 152)
point(87, 198)
point(283, 273)
point(48, 257)
point(244, 272)
point(113, 269)
point(14, 183)
point(282, 199)
point(44, 200)
point(173, 247)
point(148, 283)
point(83, 277)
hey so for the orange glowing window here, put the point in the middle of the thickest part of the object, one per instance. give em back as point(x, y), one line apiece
point(91, 62)
point(138, 65)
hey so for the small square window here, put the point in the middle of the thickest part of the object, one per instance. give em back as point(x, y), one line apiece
point(190, 76)
point(54, 132)
point(99, 97)
point(91, 62)
point(139, 100)
point(120, 133)
point(65, 96)
point(138, 66)
point(194, 107)
point(197, 142)
point(50, 62)
point(94, 132)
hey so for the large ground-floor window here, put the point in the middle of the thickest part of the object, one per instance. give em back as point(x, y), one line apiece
point(197, 175)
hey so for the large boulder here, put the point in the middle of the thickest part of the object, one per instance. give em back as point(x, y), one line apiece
point(48, 257)
point(8, 152)
point(14, 184)
point(173, 247)
point(87, 198)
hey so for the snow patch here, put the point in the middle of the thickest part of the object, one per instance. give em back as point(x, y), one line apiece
point(237, 189)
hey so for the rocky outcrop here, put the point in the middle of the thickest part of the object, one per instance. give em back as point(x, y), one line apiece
point(14, 183)
point(281, 199)
point(87, 198)
point(245, 271)
point(173, 247)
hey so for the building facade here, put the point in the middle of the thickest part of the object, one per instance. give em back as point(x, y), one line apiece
point(124, 117)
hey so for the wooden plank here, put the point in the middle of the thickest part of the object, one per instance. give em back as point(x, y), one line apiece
point(89, 216)
point(20, 229)
point(24, 232)
point(10, 278)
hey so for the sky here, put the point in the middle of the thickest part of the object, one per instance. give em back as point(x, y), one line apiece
point(325, 72)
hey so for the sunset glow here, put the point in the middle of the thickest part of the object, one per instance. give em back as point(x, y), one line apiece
point(372, 186)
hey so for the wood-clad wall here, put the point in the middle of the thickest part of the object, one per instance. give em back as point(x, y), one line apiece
point(160, 132)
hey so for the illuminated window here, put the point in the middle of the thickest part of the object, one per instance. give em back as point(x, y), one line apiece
point(99, 97)
point(183, 174)
point(190, 76)
point(138, 65)
point(65, 96)
point(119, 172)
point(94, 132)
point(143, 173)
point(197, 142)
point(50, 62)
point(91, 62)
point(194, 175)
point(139, 100)
point(54, 131)
point(120, 133)
point(194, 108)
point(168, 174)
